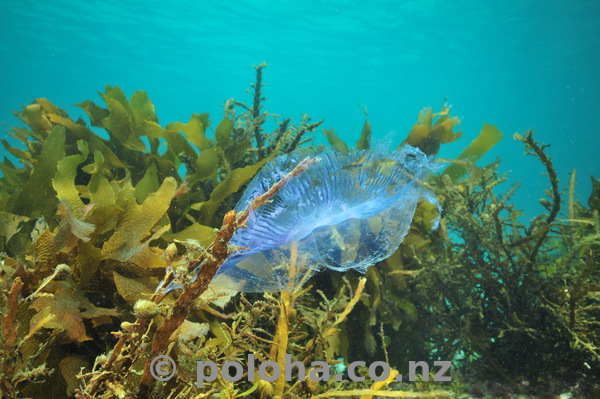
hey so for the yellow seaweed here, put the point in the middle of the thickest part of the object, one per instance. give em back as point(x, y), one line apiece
point(123, 218)
point(95, 112)
point(148, 184)
point(63, 181)
point(10, 224)
point(61, 311)
point(118, 122)
point(134, 288)
point(22, 155)
point(334, 141)
point(177, 146)
point(36, 197)
point(142, 108)
point(135, 221)
point(232, 183)
point(223, 133)
point(33, 116)
point(194, 130)
point(428, 135)
point(204, 234)
point(487, 138)
point(364, 143)
point(207, 164)
point(60, 117)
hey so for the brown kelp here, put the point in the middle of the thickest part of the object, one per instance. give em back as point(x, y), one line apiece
point(96, 230)
point(507, 300)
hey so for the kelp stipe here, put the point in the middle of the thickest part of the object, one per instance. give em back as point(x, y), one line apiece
point(347, 211)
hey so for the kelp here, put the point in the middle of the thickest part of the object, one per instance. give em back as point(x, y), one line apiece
point(231, 184)
point(489, 288)
point(119, 201)
point(10, 224)
point(432, 130)
point(107, 207)
point(488, 137)
point(103, 236)
point(31, 199)
point(334, 141)
point(136, 221)
point(65, 309)
point(364, 142)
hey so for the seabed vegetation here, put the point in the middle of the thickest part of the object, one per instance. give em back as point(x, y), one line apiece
point(98, 217)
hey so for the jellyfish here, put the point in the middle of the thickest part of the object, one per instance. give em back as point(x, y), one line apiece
point(347, 211)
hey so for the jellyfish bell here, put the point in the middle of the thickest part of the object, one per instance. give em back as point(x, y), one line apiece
point(348, 211)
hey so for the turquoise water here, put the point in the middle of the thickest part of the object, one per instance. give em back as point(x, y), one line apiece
point(517, 65)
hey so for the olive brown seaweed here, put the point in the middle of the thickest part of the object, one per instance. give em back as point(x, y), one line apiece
point(347, 211)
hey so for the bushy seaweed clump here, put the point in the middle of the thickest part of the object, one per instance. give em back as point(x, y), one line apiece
point(520, 301)
point(516, 305)
point(92, 228)
point(91, 225)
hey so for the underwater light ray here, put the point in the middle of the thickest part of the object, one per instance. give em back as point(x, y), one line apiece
point(348, 211)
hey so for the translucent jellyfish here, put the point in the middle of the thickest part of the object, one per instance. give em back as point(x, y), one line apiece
point(348, 211)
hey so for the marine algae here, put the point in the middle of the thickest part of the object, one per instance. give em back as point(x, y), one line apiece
point(432, 130)
point(88, 263)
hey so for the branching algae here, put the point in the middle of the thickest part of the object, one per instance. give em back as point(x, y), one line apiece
point(96, 231)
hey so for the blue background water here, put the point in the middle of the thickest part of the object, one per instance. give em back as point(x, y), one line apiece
point(514, 64)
